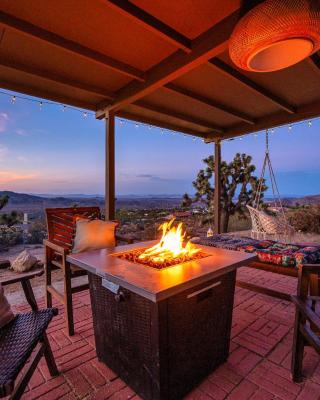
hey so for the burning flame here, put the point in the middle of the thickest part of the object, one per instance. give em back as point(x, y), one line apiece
point(170, 246)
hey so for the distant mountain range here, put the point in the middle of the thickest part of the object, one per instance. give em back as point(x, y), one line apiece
point(37, 203)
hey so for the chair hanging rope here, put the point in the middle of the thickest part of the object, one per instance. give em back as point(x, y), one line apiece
point(275, 191)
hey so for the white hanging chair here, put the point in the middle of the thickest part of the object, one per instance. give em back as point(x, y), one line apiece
point(265, 226)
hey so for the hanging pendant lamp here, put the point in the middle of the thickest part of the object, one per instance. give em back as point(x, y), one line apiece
point(276, 34)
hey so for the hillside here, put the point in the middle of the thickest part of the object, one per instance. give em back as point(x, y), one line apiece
point(302, 201)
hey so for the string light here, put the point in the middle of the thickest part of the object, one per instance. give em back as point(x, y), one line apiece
point(13, 99)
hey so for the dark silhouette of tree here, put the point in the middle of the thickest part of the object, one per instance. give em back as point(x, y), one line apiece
point(186, 201)
point(8, 219)
point(238, 186)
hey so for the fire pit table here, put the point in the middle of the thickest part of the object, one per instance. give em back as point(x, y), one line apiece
point(162, 330)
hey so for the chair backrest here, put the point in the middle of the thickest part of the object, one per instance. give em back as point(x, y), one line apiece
point(61, 223)
point(262, 222)
point(255, 220)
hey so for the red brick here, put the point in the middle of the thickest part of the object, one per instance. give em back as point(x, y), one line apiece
point(262, 394)
point(76, 362)
point(212, 390)
point(44, 388)
point(92, 374)
point(79, 383)
point(244, 391)
point(36, 379)
point(124, 394)
point(194, 395)
point(311, 391)
point(108, 390)
point(105, 371)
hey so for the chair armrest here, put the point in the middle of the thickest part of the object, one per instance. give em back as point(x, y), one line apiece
point(59, 249)
point(310, 268)
point(124, 239)
point(307, 311)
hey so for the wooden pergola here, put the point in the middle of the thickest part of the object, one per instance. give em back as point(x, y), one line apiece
point(163, 63)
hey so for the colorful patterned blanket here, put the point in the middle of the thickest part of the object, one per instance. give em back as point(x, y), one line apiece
point(268, 251)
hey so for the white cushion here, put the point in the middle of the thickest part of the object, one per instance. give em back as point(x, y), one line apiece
point(93, 235)
point(24, 262)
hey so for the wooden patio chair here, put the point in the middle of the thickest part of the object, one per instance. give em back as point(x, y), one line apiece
point(307, 321)
point(61, 231)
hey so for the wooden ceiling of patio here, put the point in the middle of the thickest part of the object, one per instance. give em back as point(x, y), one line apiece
point(161, 62)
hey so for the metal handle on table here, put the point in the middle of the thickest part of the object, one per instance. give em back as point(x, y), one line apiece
point(204, 289)
point(119, 297)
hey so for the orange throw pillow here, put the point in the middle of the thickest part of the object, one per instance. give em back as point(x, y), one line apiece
point(93, 235)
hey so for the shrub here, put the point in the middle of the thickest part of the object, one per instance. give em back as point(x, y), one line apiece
point(305, 219)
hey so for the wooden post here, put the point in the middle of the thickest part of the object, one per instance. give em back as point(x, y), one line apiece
point(110, 167)
point(217, 187)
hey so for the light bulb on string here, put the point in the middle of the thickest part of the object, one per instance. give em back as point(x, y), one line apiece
point(309, 124)
point(40, 105)
point(290, 128)
point(13, 100)
point(149, 127)
point(63, 108)
point(121, 122)
point(85, 115)
point(136, 126)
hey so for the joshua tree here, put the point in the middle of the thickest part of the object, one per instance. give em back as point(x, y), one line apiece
point(8, 219)
point(238, 186)
point(186, 201)
point(4, 201)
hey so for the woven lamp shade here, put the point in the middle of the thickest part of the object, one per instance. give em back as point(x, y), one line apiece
point(276, 34)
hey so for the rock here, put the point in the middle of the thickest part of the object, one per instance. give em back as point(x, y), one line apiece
point(24, 262)
point(4, 264)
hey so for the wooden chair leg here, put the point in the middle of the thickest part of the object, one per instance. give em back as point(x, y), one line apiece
point(68, 297)
point(297, 350)
point(52, 366)
point(28, 292)
point(47, 267)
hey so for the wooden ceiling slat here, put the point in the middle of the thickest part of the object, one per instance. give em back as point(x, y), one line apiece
point(161, 124)
point(180, 116)
point(151, 23)
point(34, 91)
point(209, 44)
point(303, 113)
point(69, 45)
point(210, 102)
point(51, 76)
point(248, 83)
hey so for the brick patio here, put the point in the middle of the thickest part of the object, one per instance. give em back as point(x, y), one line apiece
point(257, 369)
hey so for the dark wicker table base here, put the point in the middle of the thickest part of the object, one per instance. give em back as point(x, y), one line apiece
point(163, 350)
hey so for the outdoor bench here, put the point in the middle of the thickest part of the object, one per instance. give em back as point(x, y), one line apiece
point(279, 258)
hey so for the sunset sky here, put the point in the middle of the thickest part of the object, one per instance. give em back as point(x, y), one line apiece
point(50, 151)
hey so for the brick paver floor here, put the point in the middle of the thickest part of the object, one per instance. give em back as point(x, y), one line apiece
point(258, 367)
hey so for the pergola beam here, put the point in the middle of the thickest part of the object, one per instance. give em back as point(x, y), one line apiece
point(207, 45)
point(303, 113)
point(53, 77)
point(315, 61)
point(249, 84)
point(70, 46)
point(209, 102)
point(164, 125)
point(151, 23)
point(177, 115)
